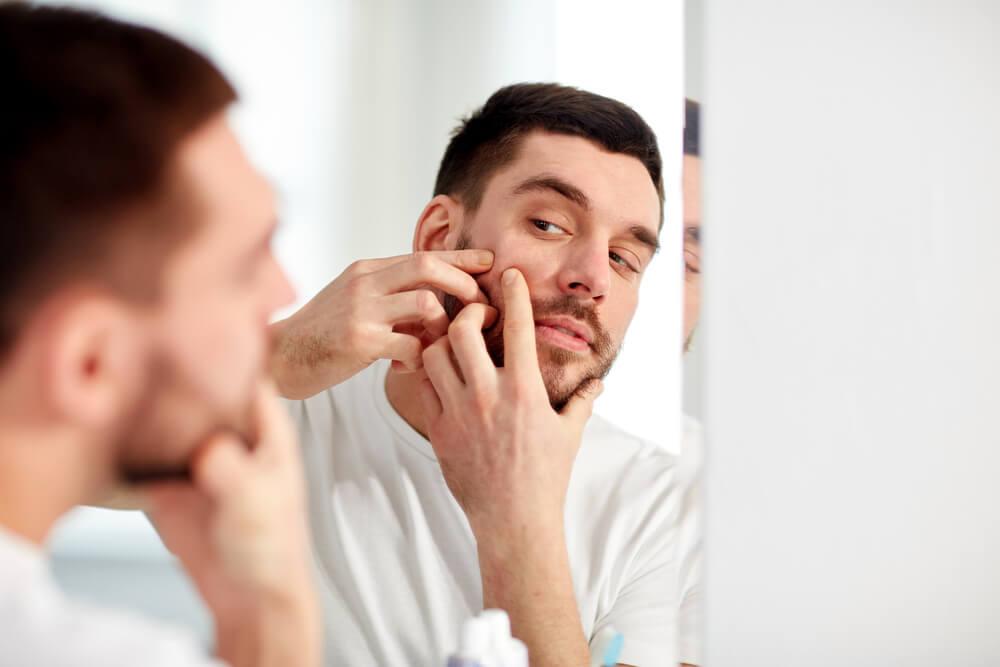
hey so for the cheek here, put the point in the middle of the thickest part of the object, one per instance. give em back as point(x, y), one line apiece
point(538, 270)
point(618, 316)
point(219, 348)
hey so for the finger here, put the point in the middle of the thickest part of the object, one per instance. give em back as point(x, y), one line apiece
point(221, 466)
point(519, 324)
point(276, 439)
point(472, 260)
point(430, 269)
point(430, 401)
point(416, 306)
point(466, 338)
point(581, 404)
point(406, 350)
point(442, 373)
point(166, 497)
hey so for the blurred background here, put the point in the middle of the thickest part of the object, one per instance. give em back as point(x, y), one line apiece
point(347, 105)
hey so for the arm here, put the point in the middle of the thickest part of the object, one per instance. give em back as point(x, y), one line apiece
point(507, 456)
point(376, 309)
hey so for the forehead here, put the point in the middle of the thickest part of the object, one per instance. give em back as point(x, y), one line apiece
point(692, 190)
point(618, 186)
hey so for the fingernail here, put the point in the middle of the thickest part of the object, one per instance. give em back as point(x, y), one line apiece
point(509, 276)
point(484, 257)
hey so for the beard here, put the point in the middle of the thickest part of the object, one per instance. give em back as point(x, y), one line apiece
point(169, 421)
point(554, 362)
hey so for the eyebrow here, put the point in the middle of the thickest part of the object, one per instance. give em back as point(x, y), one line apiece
point(645, 237)
point(557, 185)
point(693, 234)
point(576, 195)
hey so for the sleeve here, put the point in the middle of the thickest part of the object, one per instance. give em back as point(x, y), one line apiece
point(645, 608)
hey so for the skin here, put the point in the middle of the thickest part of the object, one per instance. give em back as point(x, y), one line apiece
point(98, 387)
point(692, 245)
point(691, 183)
point(579, 246)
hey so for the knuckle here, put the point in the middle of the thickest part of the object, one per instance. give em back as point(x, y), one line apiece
point(519, 389)
point(515, 326)
point(433, 352)
point(358, 266)
point(427, 303)
point(354, 291)
point(482, 400)
point(354, 336)
point(425, 264)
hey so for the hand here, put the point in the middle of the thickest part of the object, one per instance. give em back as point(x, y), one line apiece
point(506, 454)
point(239, 529)
point(376, 309)
point(507, 457)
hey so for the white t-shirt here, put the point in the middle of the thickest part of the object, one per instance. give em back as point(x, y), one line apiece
point(690, 537)
point(398, 561)
point(41, 627)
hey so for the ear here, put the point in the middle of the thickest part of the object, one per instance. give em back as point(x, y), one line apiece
point(91, 360)
point(439, 225)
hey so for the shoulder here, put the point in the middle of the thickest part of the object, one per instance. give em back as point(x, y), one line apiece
point(628, 480)
point(608, 450)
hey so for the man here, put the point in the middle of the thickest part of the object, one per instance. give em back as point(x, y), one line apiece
point(691, 179)
point(466, 473)
point(690, 470)
point(137, 282)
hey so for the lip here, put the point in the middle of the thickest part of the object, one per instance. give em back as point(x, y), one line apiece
point(580, 333)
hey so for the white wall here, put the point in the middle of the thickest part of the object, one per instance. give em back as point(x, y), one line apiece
point(347, 106)
point(852, 221)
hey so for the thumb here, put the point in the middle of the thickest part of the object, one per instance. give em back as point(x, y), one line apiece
point(581, 404)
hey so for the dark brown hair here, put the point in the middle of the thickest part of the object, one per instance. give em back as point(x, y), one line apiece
point(94, 110)
point(489, 138)
point(692, 128)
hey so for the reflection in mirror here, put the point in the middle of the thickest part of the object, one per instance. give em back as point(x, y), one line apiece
point(452, 460)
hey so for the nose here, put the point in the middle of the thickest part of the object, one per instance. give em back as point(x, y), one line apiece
point(586, 272)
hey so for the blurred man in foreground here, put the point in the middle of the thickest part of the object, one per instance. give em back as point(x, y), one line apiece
point(137, 283)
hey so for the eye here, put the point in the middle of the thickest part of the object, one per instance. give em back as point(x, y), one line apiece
point(621, 261)
point(548, 227)
point(692, 263)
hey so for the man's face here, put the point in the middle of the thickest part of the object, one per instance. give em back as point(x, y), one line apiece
point(581, 224)
point(692, 245)
point(208, 333)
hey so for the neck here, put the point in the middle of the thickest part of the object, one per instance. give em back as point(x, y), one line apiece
point(41, 478)
point(402, 390)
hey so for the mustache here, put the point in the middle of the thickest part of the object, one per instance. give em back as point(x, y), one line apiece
point(572, 307)
point(563, 304)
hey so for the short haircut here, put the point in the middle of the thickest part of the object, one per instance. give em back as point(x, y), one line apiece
point(489, 138)
point(692, 128)
point(94, 111)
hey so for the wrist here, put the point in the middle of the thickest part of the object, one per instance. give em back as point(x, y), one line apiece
point(516, 526)
point(273, 628)
point(531, 539)
point(278, 365)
